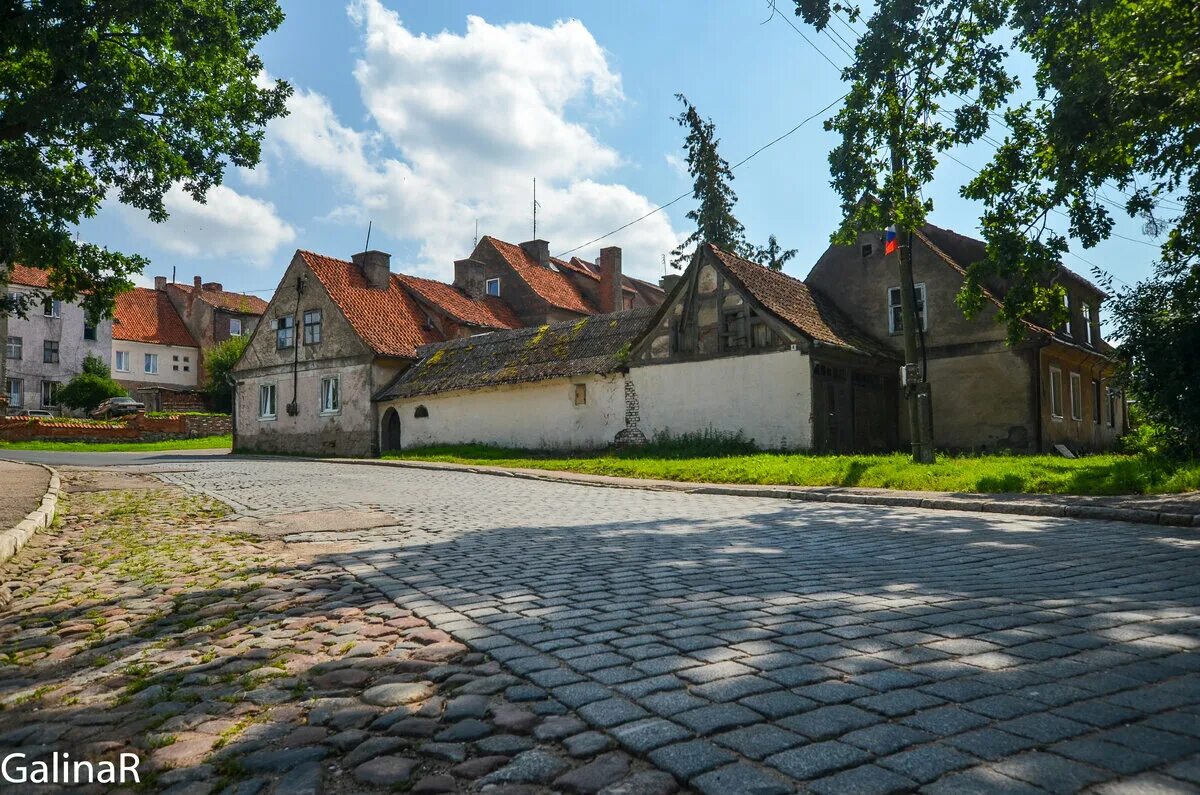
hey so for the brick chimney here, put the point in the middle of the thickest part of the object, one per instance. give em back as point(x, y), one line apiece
point(610, 280)
point(160, 283)
point(468, 277)
point(213, 287)
point(539, 250)
point(376, 267)
point(198, 285)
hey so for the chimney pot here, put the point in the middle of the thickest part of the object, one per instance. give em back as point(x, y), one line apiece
point(376, 267)
point(539, 250)
point(611, 280)
point(197, 282)
point(160, 283)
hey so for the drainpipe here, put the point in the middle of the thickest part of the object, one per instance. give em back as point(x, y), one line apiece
point(294, 408)
point(1037, 391)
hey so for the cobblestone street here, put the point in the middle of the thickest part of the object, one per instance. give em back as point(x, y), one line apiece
point(742, 645)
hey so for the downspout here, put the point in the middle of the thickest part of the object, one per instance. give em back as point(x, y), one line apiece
point(293, 407)
point(1037, 391)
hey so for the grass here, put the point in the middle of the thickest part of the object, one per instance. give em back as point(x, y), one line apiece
point(1028, 474)
point(199, 443)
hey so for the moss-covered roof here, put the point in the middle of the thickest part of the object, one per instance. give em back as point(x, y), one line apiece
point(591, 345)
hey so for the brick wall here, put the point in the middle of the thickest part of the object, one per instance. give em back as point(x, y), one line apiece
point(138, 428)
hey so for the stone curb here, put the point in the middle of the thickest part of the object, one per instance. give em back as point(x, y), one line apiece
point(12, 539)
point(978, 503)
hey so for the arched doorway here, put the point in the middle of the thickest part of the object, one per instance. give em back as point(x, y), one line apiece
point(391, 430)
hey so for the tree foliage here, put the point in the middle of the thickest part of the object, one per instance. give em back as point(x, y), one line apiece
point(219, 361)
point(773, 255)
point(120, 99)
point(91, 387)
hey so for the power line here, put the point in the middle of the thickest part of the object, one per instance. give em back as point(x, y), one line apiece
point(684, 195)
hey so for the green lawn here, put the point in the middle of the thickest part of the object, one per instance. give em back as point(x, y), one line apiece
point(1041, 474)
point(199, 443)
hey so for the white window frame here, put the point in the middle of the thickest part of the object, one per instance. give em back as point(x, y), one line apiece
point(487, 288)
point(1086, 309)
point(14, 348)
point(1076, 397)
point(1067, 326)
point(54, 392)
point(52, 308)
point(121, 365)
point(235, 327)
point(149, 359)
point(923, 308)
point(15, 389)
point(1056, 393)
point(263, 391)
point(331, 395)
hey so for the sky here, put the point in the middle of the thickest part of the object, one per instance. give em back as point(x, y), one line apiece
point(427, 119)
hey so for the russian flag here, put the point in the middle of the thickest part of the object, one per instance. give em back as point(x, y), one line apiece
point(890, 241)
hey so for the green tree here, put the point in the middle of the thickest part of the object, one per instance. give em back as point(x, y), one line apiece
point(219, 361)
point(773, 255)
point(91, 387)
point(120, 98)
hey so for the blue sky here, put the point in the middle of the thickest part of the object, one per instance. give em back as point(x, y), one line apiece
point(426, 117)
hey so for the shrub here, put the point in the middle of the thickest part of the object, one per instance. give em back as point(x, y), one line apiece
point(87, 391)
point(219, 361)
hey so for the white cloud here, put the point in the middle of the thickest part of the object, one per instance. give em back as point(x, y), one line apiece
point(462, 125)
point(228, 226)
point(678, 165)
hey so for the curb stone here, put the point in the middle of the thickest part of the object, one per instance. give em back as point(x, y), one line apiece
point(977, 503)
point(12, 539)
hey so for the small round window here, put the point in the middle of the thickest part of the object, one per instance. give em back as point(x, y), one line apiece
point(421, 412)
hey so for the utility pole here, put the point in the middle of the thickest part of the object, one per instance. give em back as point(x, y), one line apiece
point(917, 394)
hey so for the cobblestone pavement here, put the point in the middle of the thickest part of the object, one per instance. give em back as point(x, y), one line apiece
point(143, 623)
point(753, 645)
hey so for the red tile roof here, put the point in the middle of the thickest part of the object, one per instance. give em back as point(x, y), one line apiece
point(491, 312)
point(592, 271)
point(389, 321)
point(794, 302)
point(553, 287)
point(240, 303)
point(144, 315)
point(28, 277)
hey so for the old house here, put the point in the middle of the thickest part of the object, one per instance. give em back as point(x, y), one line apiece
point(46, 349)
point(1054, 388)
point(211, 313)
point(152, 350)
point(333, 334)
point(734, 348)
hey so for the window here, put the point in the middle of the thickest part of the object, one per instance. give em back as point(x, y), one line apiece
point(1067, 326)
point(421, 412)
point(175, 367)
point(52, 307)
point(122, 363)
point(89, 332)
point(174, 358)
point(1112, 409)
point(50, 352)
point(1056, 405)
point(493, 287)
point(1096, 402)
point(580, 394)
point(312, 327)
point(13, 388)
point(14, 347)
point(235, 327)
point(867, 249)
point(266, 402)
point(187, 358)
point(895, 315)
point(49, 393)
point(1076, 397)
point(186, 368)
point(150, 363)
point(1087, 324)
point(331, 398)
point(285, 332)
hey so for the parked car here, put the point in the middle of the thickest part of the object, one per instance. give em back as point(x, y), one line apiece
point(116, 407)
point(30, 413)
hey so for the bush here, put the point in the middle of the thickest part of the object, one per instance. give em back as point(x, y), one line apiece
point(219, 361)
point(87, 391)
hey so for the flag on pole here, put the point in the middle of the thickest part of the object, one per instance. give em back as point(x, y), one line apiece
point(890, 241)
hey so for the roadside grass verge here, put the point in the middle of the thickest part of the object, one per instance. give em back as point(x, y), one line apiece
point(1028, 474)
point(199, 443)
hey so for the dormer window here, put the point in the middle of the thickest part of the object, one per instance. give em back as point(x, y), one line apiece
point(493, 287)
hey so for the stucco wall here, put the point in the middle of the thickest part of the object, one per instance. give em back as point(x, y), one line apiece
point(541, 415)
point(67, 330)
point(1092, 432)
point(982, 401)
point(766, 396)
point(167, 374)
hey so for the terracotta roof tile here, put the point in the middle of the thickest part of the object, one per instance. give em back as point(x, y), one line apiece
point(491, 312)
point(389, 321)
point(553, 287)
point(28, 277)
point(794, 302)
point(144, 315)
point(223, 299)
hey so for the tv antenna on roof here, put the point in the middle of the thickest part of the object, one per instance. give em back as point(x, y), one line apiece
point(535, 206)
